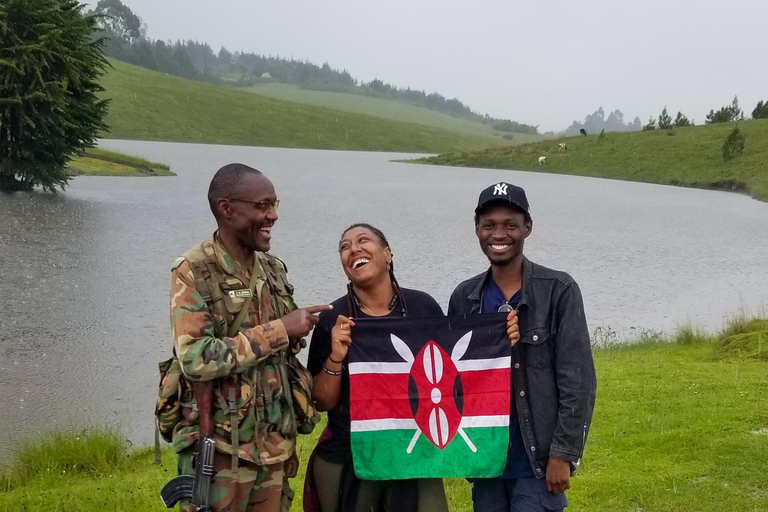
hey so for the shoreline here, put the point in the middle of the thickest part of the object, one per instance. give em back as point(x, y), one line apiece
point(100, 162)
point(686, 157)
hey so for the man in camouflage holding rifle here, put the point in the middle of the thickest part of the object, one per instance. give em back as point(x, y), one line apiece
point(251, 365)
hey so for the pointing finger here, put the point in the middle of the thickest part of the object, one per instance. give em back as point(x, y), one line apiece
point(318, 309)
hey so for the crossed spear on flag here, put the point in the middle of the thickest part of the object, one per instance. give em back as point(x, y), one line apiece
point(434, 369)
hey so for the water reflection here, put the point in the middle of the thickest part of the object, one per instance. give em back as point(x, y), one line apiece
point(84, 274)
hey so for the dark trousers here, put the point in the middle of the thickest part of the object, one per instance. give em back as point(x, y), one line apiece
point(374, 495)
point(515, 495)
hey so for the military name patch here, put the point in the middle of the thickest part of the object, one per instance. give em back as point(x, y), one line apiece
point(240, 294)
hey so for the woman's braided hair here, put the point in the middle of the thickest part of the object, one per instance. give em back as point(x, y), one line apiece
point(352, 300)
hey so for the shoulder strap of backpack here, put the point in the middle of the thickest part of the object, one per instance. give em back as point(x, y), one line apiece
point(196, 259)
point(276, 273)
point(207, 277)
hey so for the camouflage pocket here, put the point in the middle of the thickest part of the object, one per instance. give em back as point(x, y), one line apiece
point(304, 408)
point(168, 407)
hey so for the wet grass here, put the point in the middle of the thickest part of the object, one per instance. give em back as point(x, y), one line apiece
point(690, 157)
point(147, 105)
point(86, 453)
point(680, 425)
point(100, 162)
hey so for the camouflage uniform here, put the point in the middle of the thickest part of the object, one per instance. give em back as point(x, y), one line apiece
point(250, 366)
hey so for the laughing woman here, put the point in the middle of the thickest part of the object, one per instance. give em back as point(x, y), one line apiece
point(331, 485)
point(372, 292)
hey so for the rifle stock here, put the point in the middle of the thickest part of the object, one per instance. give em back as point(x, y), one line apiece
point(197, 488)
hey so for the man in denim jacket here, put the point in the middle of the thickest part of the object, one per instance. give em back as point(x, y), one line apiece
point(553, 375)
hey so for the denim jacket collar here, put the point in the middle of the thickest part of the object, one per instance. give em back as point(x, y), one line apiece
point(476, 294)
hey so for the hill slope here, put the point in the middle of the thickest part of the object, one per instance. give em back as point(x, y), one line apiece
point(148, 105)
point(691, 157)
point(388, 109)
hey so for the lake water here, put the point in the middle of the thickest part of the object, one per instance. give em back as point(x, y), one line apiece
point(84, 274)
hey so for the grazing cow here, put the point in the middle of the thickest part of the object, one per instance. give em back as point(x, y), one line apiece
point(542, 160)
point(583, 131)
point(562, 146)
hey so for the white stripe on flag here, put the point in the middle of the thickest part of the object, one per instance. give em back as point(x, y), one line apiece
point(383, 424)
point(471, 365)
point(499, 363)
point(379, 367)
point(410, 423)
point(484, 421)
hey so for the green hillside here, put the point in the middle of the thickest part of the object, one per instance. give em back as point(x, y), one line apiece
point(691, 157)
point(388, 109)
point(147, 105)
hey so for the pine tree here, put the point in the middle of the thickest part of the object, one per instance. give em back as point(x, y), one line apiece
point(736, 113)
point(733, 145)
point(651, 125)
point(681, 120)
point(761, 110)
point(665, 121)
point(726, 114)
point(50, 65)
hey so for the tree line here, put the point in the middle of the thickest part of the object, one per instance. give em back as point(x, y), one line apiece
point(725, 114)
point(126, 40)
point(596, 122)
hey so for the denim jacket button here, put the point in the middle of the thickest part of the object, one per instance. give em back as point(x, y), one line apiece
point(535, 337)
point(533, 448)
point(522, 393)
point(517, 365)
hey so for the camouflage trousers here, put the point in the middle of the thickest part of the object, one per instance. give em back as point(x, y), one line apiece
point(253, 489)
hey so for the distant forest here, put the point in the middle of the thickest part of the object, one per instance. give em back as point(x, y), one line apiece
point(596, 122)
point(127, 41)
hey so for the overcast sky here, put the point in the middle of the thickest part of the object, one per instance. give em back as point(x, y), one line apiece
point(545, 62)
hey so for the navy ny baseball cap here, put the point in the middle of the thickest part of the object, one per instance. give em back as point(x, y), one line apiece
point(503, 193)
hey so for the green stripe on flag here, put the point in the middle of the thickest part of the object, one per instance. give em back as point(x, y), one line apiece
point(382, 455)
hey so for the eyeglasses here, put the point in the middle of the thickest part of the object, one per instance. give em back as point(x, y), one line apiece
point(504, 308)
point(263, 206)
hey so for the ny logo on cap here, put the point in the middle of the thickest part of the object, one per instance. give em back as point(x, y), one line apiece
point(500, 189)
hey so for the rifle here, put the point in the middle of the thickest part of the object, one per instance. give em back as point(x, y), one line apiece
point(197, 487)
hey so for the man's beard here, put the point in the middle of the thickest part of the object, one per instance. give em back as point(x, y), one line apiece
point(501, 262)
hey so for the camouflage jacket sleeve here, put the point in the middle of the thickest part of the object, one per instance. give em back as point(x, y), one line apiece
point(202, 355)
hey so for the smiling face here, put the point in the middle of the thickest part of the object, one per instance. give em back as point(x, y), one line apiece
point(249, 222)
point(502, 230)
point(364, 256)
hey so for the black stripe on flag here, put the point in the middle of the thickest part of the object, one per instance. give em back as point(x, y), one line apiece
point(371, 340)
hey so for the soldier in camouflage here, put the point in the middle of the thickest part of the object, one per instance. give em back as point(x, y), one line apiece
point(254, 424)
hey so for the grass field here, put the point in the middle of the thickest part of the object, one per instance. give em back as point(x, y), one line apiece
point(691, 157)
point(147, 105)
point(680, 425)
point(99, 162)
point(389, 109)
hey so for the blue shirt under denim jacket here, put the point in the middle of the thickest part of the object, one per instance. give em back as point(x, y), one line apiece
point(517, 461)
point(553, 375)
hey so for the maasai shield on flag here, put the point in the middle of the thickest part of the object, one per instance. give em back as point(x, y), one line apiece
point(429, 397)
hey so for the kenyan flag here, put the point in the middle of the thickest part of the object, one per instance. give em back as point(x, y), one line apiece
point(429, 397)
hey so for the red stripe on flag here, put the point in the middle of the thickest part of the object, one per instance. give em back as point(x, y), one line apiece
point(377, 396)
point(486, 392)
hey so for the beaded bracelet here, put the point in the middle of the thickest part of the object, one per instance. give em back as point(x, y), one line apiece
point(331, 372)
